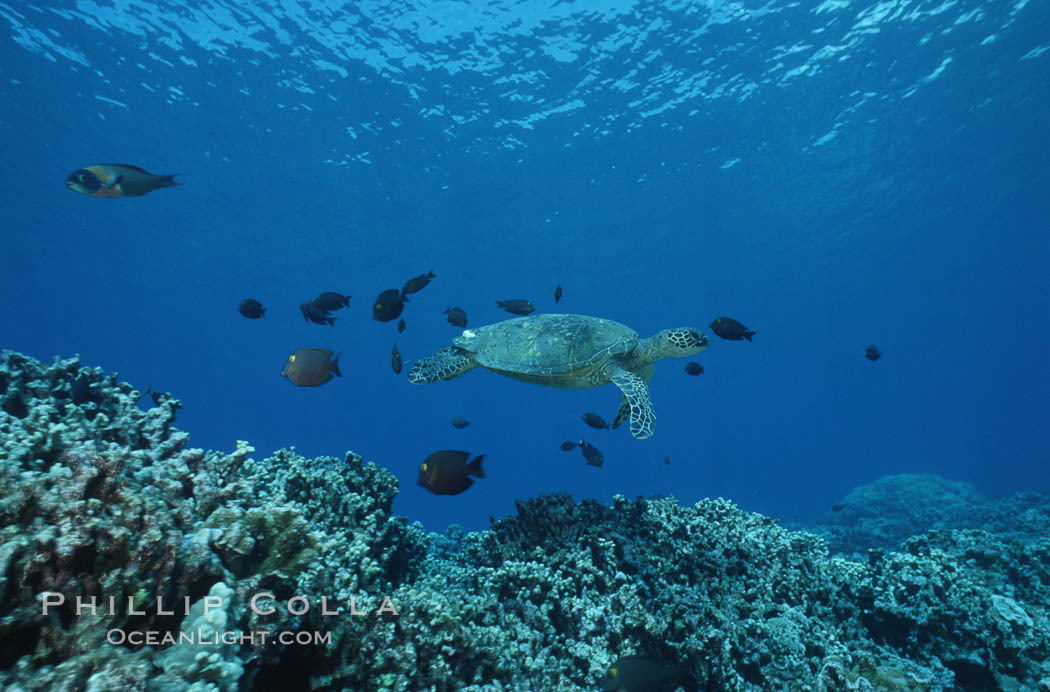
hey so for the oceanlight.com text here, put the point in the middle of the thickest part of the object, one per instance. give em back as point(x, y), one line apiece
point(229, 638)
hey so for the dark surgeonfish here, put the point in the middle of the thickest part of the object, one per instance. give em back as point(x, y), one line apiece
point(595, 421)
point(330, 300)
point(516, 306)
point(80, 390)
point(459, 422)
point(117, 180)
point(314, 313)
point(640, 674)
point(557, 293)
point(728, 328)
point(591, 454)
point(395, 360)
point(311, 367)
point(694, 368)
point(448, 473)
point(872, 353)
point(388, 305)
point(401, 325)
point(456, 317)
point(251, 308)
point(161, 398)
point(416, 284)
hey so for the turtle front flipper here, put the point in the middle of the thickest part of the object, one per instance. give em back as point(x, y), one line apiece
point(624, 412)
point(636, 394)
point(447, 364)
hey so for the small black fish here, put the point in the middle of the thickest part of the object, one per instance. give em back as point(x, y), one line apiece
point(516, 306)
point(591, 454)
point(636, 673)
point(311, 367)
point(251, 308)
point(728, 328)
point(388, 305)
point(557, 293)
point(80, 390)
point(569, 445)
point(694, 368)
point(158, 397)
point(595, 421)
point(460, 422)
point(161, 398)
point(838, 507)
point(667, 460)
point(117, 180)
point(401, 325)
point(395, 360)
point(872, 353)
point(456, 317)
point(330, 300)
point(416, 284)
point(448, 473)
point(313, 313)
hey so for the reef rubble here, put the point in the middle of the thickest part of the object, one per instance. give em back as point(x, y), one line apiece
point(100, 498)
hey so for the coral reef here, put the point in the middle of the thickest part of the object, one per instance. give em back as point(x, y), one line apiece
point(102, 499)
point(207, 664)
point(892, 509)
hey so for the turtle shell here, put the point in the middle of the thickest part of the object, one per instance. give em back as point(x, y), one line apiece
point(548, 344)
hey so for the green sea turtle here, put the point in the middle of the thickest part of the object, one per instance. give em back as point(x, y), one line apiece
point(573, 351)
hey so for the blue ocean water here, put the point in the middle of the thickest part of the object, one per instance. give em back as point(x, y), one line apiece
point(832, 175)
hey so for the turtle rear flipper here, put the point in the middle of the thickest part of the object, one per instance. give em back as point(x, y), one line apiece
point(447, 364)
point(636, 393)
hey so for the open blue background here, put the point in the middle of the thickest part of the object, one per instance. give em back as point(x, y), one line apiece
point(832, 177)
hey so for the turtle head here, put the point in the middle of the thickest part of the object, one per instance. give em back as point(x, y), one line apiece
point(675, 343)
